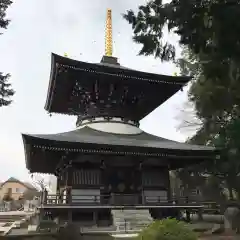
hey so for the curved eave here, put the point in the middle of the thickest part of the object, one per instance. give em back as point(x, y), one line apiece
point(89, 140)
point(105, 68)
point(51, 82)
point(27, 151)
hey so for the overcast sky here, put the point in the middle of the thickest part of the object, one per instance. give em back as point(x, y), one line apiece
point(76, 27)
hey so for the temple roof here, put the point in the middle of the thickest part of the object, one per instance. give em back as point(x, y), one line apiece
point(88, 140)
point(143, 139)
point(106, 89)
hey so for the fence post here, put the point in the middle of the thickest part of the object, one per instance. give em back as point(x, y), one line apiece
point(69, 194)
point(187, 211)
point(200, 214)
point(44, 196)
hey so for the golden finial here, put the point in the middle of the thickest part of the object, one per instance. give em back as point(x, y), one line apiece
point(108, 34)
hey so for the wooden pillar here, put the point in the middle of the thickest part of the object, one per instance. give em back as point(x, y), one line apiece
point(143, 198)
point(95, 218)
point(169, 185)
point(58, 185)
point(140, 176)
point(69, 180)
point(44, 197)
point(188, 215)
point(200, 214)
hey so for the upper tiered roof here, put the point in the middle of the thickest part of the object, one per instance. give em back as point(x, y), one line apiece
point(106, 89)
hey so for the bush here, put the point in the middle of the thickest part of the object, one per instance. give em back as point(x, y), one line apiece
point(167, 229)
point(30, 194)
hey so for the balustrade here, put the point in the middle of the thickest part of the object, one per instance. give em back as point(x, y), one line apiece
point(114, 200)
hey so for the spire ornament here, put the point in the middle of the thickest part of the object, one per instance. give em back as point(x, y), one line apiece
point(108, 34)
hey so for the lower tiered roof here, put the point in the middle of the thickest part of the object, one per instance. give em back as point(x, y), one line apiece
point(43, 152)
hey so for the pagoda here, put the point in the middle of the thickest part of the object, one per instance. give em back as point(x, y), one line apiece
point(108, 164)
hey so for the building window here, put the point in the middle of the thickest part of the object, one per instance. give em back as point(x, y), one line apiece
point(19, 190)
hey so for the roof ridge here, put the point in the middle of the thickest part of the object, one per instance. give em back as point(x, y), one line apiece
point(13, 179)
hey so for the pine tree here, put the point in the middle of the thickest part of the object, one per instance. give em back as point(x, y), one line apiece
point(5, 87)
point(205, 27)
point(5, 90)
point(4, 4)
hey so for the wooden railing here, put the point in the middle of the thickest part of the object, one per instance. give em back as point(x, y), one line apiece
point(114, 200)
point(211, 208)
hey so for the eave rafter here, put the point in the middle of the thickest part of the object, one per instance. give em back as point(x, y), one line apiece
point(130, 153)
point(123, 75)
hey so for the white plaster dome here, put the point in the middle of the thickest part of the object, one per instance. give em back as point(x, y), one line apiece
point(114, 125)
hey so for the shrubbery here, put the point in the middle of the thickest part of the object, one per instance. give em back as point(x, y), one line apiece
point(7, 198)
point(167, 229)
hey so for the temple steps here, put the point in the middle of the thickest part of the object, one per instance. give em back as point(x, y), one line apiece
point(134, 219)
